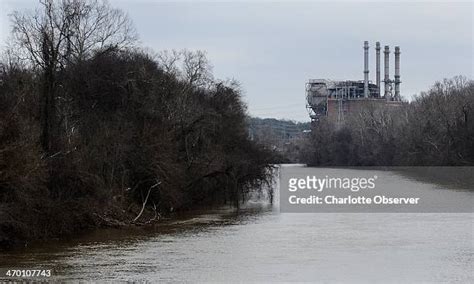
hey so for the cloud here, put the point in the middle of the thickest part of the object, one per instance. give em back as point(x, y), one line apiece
point(272, 48)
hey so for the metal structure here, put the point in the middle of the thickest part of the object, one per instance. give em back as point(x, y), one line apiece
point(377, 65)
point(397, 73)
point(366, 69)
point(386, 79)
point(337, 98)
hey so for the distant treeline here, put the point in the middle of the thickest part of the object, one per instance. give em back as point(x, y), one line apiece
point(284, 137)
point(436, 128)
point(261, 128)
point(95, 131)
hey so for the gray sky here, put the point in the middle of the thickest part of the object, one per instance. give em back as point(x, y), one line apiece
point(272, 48)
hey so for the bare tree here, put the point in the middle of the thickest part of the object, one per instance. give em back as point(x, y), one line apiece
point(197, 70)
point(168, 60)
point(98, 26)
point(61, 32)
point(70, 29)
point(192, 67)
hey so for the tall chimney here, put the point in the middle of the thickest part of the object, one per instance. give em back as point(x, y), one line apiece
point(366, 69)
point(397, 73)
point(386, 80)
point(377, 66)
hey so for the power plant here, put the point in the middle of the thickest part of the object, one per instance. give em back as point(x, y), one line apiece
point(336, 99)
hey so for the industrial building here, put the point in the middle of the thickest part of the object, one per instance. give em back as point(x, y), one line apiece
point(336, 99)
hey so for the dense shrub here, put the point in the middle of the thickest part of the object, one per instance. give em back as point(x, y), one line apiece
point(109, 135)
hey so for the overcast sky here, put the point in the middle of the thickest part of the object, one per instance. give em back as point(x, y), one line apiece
point(273, 48)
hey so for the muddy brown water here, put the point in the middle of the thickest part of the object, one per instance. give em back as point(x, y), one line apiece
point(260, 244)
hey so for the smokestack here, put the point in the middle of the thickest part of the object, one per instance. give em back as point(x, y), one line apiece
point(386, 80)
point(377, 66)
point(366, 69)
point(397, 73)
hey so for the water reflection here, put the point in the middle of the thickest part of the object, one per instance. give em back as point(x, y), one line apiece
point(260, 244)
point(454, 178)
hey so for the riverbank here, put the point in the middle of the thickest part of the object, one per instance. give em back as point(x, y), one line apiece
point(93, 138)
point(119, 223)
point(44, 221)
point(162, 144)
point(40, 221)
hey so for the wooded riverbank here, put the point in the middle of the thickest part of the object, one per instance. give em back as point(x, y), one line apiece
point(95, 130)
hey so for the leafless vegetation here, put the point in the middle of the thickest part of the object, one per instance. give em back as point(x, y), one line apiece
point(93, 131)
point(435, 129)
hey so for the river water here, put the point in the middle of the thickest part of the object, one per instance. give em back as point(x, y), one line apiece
point(260, 244)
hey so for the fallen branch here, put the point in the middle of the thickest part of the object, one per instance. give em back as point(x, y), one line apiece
point(157, 215)
point(146, 200)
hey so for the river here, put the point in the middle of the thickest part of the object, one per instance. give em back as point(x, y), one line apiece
point(260, 244)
